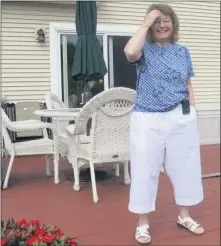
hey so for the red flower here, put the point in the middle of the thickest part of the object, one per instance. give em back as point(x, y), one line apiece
point(35, 233)
point(27, 224)
point(32, 240)
point(17, 234)
point(71, 241)
point(35, 223)
point(47, 238)
point(4, 241)
point(40, 232)
point(8, 231)
point(21, 222)
point(56, 229)
point(59, 235)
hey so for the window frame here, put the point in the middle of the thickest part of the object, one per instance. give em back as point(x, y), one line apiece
point(55, 31)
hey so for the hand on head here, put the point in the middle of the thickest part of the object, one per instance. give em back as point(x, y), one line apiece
point(151, 17)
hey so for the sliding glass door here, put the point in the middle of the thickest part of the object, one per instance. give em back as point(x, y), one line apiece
point(120, 72)
point(75, 93)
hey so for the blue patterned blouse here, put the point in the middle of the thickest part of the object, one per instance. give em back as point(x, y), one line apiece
point(162, 77)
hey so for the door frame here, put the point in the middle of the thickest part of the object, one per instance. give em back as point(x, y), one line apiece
point(55, 31)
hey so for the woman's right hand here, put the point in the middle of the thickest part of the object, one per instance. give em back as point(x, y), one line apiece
point(133, 49)
point(151, 17)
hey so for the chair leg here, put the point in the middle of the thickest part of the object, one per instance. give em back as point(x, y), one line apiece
point(93, 183)
point(76, 177)
point(5, 185)
point(48, 170)
point(117, 170)
point(127, 180)
point(56, 168)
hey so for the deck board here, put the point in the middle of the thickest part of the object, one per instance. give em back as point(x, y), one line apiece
point(31, 195)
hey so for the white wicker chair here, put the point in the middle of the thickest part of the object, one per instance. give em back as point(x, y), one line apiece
point(110, 111)
point(43, 146)
point(53, 102)
point(60, 124)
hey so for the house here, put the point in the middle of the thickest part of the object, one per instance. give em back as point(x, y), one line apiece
point(31, 68)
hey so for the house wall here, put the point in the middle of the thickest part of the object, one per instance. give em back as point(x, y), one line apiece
point(26, 63)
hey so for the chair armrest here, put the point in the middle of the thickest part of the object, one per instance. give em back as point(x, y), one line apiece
point(17, 126)
point(28, 121)
point(71, 129)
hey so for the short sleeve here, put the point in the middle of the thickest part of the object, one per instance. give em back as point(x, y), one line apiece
point(190, 72)
point(143, 51)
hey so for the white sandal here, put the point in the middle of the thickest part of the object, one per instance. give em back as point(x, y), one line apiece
point(192, 225)
point(143, 231)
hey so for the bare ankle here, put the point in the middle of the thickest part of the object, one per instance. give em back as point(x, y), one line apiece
point(143, 219)
point(183, 212)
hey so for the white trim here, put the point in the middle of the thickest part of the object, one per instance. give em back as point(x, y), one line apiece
point(109, 29)
point(69, 28)
point(111, 62)
point(105, 55)
point(54, 60)
point(65, 69)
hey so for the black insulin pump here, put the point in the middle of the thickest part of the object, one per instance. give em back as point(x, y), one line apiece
point(185, 106)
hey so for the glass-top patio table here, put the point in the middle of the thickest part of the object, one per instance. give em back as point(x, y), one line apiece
point(70, 114)
point(63, 113)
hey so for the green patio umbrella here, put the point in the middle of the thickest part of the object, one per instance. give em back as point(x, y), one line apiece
point(88, 59)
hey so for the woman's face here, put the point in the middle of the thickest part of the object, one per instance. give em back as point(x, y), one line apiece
point(162, 29)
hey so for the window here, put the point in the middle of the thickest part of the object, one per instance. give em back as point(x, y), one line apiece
point(121, 72)
point(112, 39)
point(75, 93)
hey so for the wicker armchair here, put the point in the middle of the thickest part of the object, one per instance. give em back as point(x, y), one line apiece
point(62, 148)
point(43, 146)
point(110, 112)
point(60, 124)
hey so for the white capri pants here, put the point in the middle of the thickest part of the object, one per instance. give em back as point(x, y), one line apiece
point(171, 137)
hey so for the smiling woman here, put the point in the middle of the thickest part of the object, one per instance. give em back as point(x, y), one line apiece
point(166, 24)
point(164, 121)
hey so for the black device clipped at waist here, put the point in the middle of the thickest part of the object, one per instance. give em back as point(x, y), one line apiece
point(185, 106)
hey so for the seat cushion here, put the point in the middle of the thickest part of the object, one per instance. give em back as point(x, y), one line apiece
point(34, 147)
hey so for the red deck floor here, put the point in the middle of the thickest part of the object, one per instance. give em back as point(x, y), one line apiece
point(31, 195)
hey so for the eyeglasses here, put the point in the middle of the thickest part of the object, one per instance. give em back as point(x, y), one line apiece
point(165, 21)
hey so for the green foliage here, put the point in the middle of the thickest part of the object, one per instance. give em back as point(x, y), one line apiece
point(24, 233)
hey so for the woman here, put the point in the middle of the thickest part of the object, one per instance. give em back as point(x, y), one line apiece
point(163, 123)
